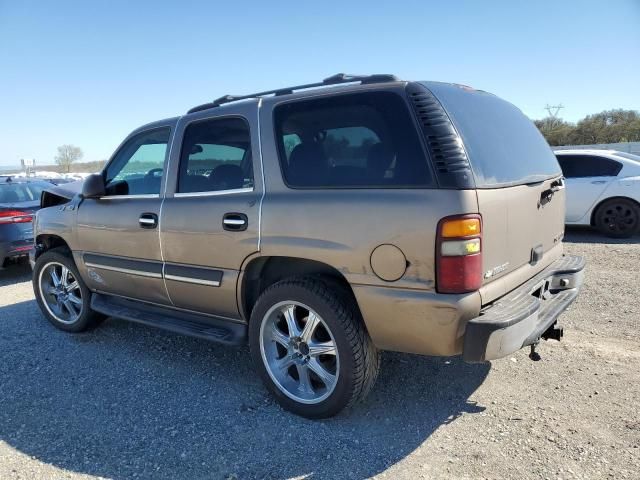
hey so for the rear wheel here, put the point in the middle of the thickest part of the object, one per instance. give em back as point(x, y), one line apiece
point(311, 348)
point(618, 218)
point(61, 294)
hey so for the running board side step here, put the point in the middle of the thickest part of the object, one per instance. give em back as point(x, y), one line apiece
point(212, 328)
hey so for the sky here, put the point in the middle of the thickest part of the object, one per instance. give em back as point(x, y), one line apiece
point(89, 72)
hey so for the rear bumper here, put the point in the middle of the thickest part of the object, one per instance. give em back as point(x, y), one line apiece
point(521, 317)
point(16, 239)
point(15, 249)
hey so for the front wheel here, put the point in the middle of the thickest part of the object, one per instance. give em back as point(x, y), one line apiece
point(61, 294)
point(618, 218)
point(311, 348)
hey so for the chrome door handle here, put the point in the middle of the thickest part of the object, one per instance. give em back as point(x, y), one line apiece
point(235, 222)
point(148, 220)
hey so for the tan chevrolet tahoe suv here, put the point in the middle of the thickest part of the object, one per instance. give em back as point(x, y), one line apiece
point(321, 224)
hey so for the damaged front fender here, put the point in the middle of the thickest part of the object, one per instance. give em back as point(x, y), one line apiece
point(60, 194)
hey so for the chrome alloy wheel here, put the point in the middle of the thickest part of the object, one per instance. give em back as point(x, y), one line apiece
point(299, 352)
point(60, 292)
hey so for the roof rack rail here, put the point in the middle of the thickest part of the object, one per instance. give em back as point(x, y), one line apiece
point(336, 79)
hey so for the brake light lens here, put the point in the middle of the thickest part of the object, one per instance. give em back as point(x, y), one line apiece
point(459, 254)
point(15, 216)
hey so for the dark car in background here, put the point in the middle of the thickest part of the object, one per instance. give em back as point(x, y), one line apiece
point(19, 200)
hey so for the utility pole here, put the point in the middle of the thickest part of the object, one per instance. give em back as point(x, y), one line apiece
point(553, 110)
point(28, 165)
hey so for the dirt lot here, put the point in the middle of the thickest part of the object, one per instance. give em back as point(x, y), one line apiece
point(126, 401)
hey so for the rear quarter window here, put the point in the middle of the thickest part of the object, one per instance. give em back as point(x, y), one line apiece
point(580, 166)
point(504, 147)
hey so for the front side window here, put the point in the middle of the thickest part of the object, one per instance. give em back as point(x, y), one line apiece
point(362, 140)
point(138, 166)
point(581, 166)
point(215, 156)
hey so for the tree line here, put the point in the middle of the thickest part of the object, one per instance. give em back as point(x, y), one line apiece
point(610, 126)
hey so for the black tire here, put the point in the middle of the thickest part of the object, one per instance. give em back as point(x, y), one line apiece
point(359, 359)
point(86, 318)
point(618, 218)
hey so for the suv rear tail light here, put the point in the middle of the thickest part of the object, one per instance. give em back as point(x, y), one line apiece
point(15, 216)
point(459, 254)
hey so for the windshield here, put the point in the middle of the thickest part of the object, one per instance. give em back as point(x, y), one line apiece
point(504, 147)
point(21, 192)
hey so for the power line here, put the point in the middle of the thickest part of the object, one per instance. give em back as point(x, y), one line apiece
point(553, 110)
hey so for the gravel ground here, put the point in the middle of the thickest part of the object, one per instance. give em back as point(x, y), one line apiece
point(125, 401)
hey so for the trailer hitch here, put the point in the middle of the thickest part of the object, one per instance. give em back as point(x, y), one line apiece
point(553, 333)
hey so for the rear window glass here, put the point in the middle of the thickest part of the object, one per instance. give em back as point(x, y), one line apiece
point(20, 192)
point(504, 146)
point(362, 140)
point(577, 166)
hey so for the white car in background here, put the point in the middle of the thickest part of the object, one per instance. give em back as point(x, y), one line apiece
point(603, 190)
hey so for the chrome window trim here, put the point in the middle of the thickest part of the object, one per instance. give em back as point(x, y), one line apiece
point(197, 281)
point(142, 195)
point(124, 270)
point(213, 193)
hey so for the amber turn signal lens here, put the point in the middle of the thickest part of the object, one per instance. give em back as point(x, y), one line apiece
point(461, 227)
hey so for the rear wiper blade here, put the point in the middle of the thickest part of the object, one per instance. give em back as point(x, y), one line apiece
point(535, 179)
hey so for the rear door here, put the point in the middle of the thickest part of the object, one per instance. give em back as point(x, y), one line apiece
point(518, 182)
point(587, 177)
point(118, 233)
point(210, 216)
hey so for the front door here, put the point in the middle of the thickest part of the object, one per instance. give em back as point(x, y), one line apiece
point(210, 215)
point(118, 233)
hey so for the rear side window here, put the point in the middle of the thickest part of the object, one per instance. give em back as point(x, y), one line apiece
point(577, 166)
point(362, 140)
point(504, 147)
point(215, 156)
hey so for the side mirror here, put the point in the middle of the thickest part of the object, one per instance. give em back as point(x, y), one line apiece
point(93, 186)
